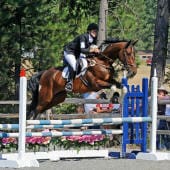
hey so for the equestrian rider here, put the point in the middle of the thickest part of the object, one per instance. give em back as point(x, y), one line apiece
point(80, 47)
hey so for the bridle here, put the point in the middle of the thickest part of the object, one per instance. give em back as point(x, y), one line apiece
point(126, 64)
point(92, 63)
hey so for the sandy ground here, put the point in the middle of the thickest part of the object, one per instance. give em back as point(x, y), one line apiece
point(143, 72)
point(100, 164)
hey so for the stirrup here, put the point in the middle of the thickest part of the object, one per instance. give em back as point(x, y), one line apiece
point(69, 86)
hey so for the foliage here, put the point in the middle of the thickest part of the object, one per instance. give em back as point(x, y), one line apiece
point(64, 109)
point(70, 142)
point(167, 76)
point(78, 142)
point(41, 28)
point(128, 20)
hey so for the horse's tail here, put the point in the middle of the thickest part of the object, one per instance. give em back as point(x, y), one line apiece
point(33, 86)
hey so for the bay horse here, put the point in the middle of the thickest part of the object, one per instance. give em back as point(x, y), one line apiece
point(48, 87)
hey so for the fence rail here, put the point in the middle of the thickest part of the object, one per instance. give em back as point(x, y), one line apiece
point(67, 101)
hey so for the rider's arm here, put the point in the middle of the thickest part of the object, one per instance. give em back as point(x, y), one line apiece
point(83, 44)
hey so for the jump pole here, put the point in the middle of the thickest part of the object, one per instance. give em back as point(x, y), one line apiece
point(21, 160)
point(153, 155)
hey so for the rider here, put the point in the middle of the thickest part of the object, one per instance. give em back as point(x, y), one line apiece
point(80, 47)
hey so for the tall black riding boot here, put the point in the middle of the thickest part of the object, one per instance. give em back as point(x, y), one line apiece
point(69, 84)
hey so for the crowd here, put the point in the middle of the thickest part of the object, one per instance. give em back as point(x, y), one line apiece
point(100, 107)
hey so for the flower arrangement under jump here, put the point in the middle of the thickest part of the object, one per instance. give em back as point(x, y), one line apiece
point(64, 142)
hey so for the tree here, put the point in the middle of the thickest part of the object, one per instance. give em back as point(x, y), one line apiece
point(102, 21)
point(43, 27)
point(160, 40)
point(132, 19)
point(40, 27)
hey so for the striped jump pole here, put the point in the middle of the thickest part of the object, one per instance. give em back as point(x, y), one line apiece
point(39, 124)
point(65, 133)
point(21, 160)
point(90, 121)
point(16, 126)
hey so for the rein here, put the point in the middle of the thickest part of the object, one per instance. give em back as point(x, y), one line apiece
point(126, 65)
point(93, 63)
point(104, 56)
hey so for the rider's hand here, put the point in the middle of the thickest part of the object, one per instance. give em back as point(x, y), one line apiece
point(94, 50)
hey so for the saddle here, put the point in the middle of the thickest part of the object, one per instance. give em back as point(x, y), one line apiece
point(82, 66)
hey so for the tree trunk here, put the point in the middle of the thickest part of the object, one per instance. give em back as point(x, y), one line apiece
point(102, 21)
point(160, 40)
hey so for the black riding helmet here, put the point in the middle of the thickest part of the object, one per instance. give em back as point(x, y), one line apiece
point(92, 26)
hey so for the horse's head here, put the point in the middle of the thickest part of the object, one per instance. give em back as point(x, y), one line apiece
point(124, 51)
point(127, 57)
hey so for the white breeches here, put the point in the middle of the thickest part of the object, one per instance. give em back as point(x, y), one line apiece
point(71, 59)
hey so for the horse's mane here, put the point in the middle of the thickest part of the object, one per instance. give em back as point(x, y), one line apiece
point(108, 41)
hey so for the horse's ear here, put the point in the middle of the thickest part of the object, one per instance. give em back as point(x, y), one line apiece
point(134, 42)
point(128, 43)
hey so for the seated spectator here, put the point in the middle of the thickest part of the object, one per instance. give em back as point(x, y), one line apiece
point(115, 97)
point(115, 100)
point(90, 108)
point(80, 109)
point(104, 108)
point(162, 140)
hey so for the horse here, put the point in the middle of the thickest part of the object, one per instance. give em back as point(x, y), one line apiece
point(48, 87)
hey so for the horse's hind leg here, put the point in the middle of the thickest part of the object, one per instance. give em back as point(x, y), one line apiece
point(58, 98)
point(32, 115)
point(45, 97)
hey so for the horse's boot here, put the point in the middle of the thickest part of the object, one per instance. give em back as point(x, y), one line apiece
point(69, 84)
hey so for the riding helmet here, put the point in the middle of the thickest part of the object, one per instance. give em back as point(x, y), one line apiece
point(92, 26)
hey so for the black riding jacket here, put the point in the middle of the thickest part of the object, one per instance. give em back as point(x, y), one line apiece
point(74, 47)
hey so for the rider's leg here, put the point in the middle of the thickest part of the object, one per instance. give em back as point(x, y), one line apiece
point(71, 60)
point(83, 62)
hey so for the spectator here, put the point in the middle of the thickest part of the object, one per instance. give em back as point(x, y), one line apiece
point(115, 97)
point(80, 109)
point(90, 108)
point(115, 100)
point(104, 108)
point(162, 140)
